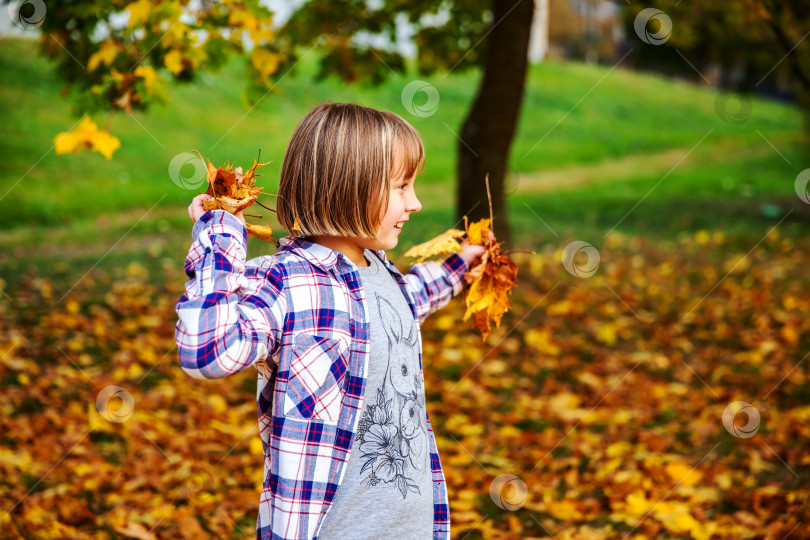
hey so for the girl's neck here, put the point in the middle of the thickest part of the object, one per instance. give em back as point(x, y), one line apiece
point(344, 245)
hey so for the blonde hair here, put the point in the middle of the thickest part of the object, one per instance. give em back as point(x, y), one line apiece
point(337, 168)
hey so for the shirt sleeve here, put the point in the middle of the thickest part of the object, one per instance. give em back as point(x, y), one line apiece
point(232, 313)
point(433, 283)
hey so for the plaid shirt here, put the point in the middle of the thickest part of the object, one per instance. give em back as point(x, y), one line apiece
point(299, 317)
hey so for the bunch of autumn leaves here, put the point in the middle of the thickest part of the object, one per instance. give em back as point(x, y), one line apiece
point(234, 191)
point(491, 278)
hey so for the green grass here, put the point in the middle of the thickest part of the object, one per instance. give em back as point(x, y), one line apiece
point(576, 120)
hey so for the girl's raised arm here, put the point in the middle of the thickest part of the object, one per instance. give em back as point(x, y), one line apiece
point(231, 315)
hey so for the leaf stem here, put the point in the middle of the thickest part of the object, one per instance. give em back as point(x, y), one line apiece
point(489, 196)
point(263, 206)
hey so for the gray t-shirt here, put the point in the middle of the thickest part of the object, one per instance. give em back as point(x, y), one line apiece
point(387, 489)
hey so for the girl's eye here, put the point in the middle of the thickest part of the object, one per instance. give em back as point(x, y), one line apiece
point(403, 186)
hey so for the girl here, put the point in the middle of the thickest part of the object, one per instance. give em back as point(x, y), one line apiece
point(333, 329)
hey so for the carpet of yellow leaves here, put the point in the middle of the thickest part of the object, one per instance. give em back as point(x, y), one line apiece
point(603, 397)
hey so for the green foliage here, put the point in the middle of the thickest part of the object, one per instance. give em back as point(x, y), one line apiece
point(360, 37)
point(109, 52)
point(761, 39)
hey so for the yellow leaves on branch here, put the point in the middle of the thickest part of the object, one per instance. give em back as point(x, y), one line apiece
point(233, 191)
point(139, 12)
point(491, 279)
point(104, 55)
point(127, 91)
point(265, 62)
point(182, 53)
point(177, 61)
point(87, 136)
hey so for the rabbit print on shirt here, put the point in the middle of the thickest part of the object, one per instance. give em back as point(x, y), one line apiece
point(393, 437)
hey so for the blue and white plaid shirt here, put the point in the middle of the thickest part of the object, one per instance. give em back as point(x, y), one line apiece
point(299, 317)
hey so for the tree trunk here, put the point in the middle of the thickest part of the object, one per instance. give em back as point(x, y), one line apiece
point(489, 128)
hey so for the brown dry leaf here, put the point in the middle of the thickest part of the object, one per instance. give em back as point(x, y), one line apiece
point(228, 204)
point(233, 191)
point(136, 530)
point(445, 243)
point(491, 279)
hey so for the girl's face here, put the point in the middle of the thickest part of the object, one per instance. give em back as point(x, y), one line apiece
point(402, 202)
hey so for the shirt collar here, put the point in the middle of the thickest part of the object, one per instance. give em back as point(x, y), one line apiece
point(322, 256)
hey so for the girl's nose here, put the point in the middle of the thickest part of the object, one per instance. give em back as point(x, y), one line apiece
point(414, 205)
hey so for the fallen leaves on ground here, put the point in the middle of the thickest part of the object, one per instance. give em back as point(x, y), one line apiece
point(604, 396)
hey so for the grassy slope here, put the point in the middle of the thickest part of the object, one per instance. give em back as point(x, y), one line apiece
point(76, 207)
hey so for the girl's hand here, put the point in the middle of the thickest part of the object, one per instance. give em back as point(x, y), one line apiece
point(470, 252)
point(196, 210)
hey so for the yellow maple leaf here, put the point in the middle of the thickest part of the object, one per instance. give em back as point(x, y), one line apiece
point(87, 136)
point(264, 62)
point(262, 232)
point(263, 34)
point(680, 472)
point(637, 504)
point(104, 55)
point(139, 12)
point(105, 143)
point(256, 446)
point(241, 17)
point(565, 510)
point(96, 421)
point(150, 78)
point(542, 341)
point(174, 61)
point(478, 232)
point(447, 242)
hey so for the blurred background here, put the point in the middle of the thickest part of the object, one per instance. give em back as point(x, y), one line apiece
point(649, 173)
